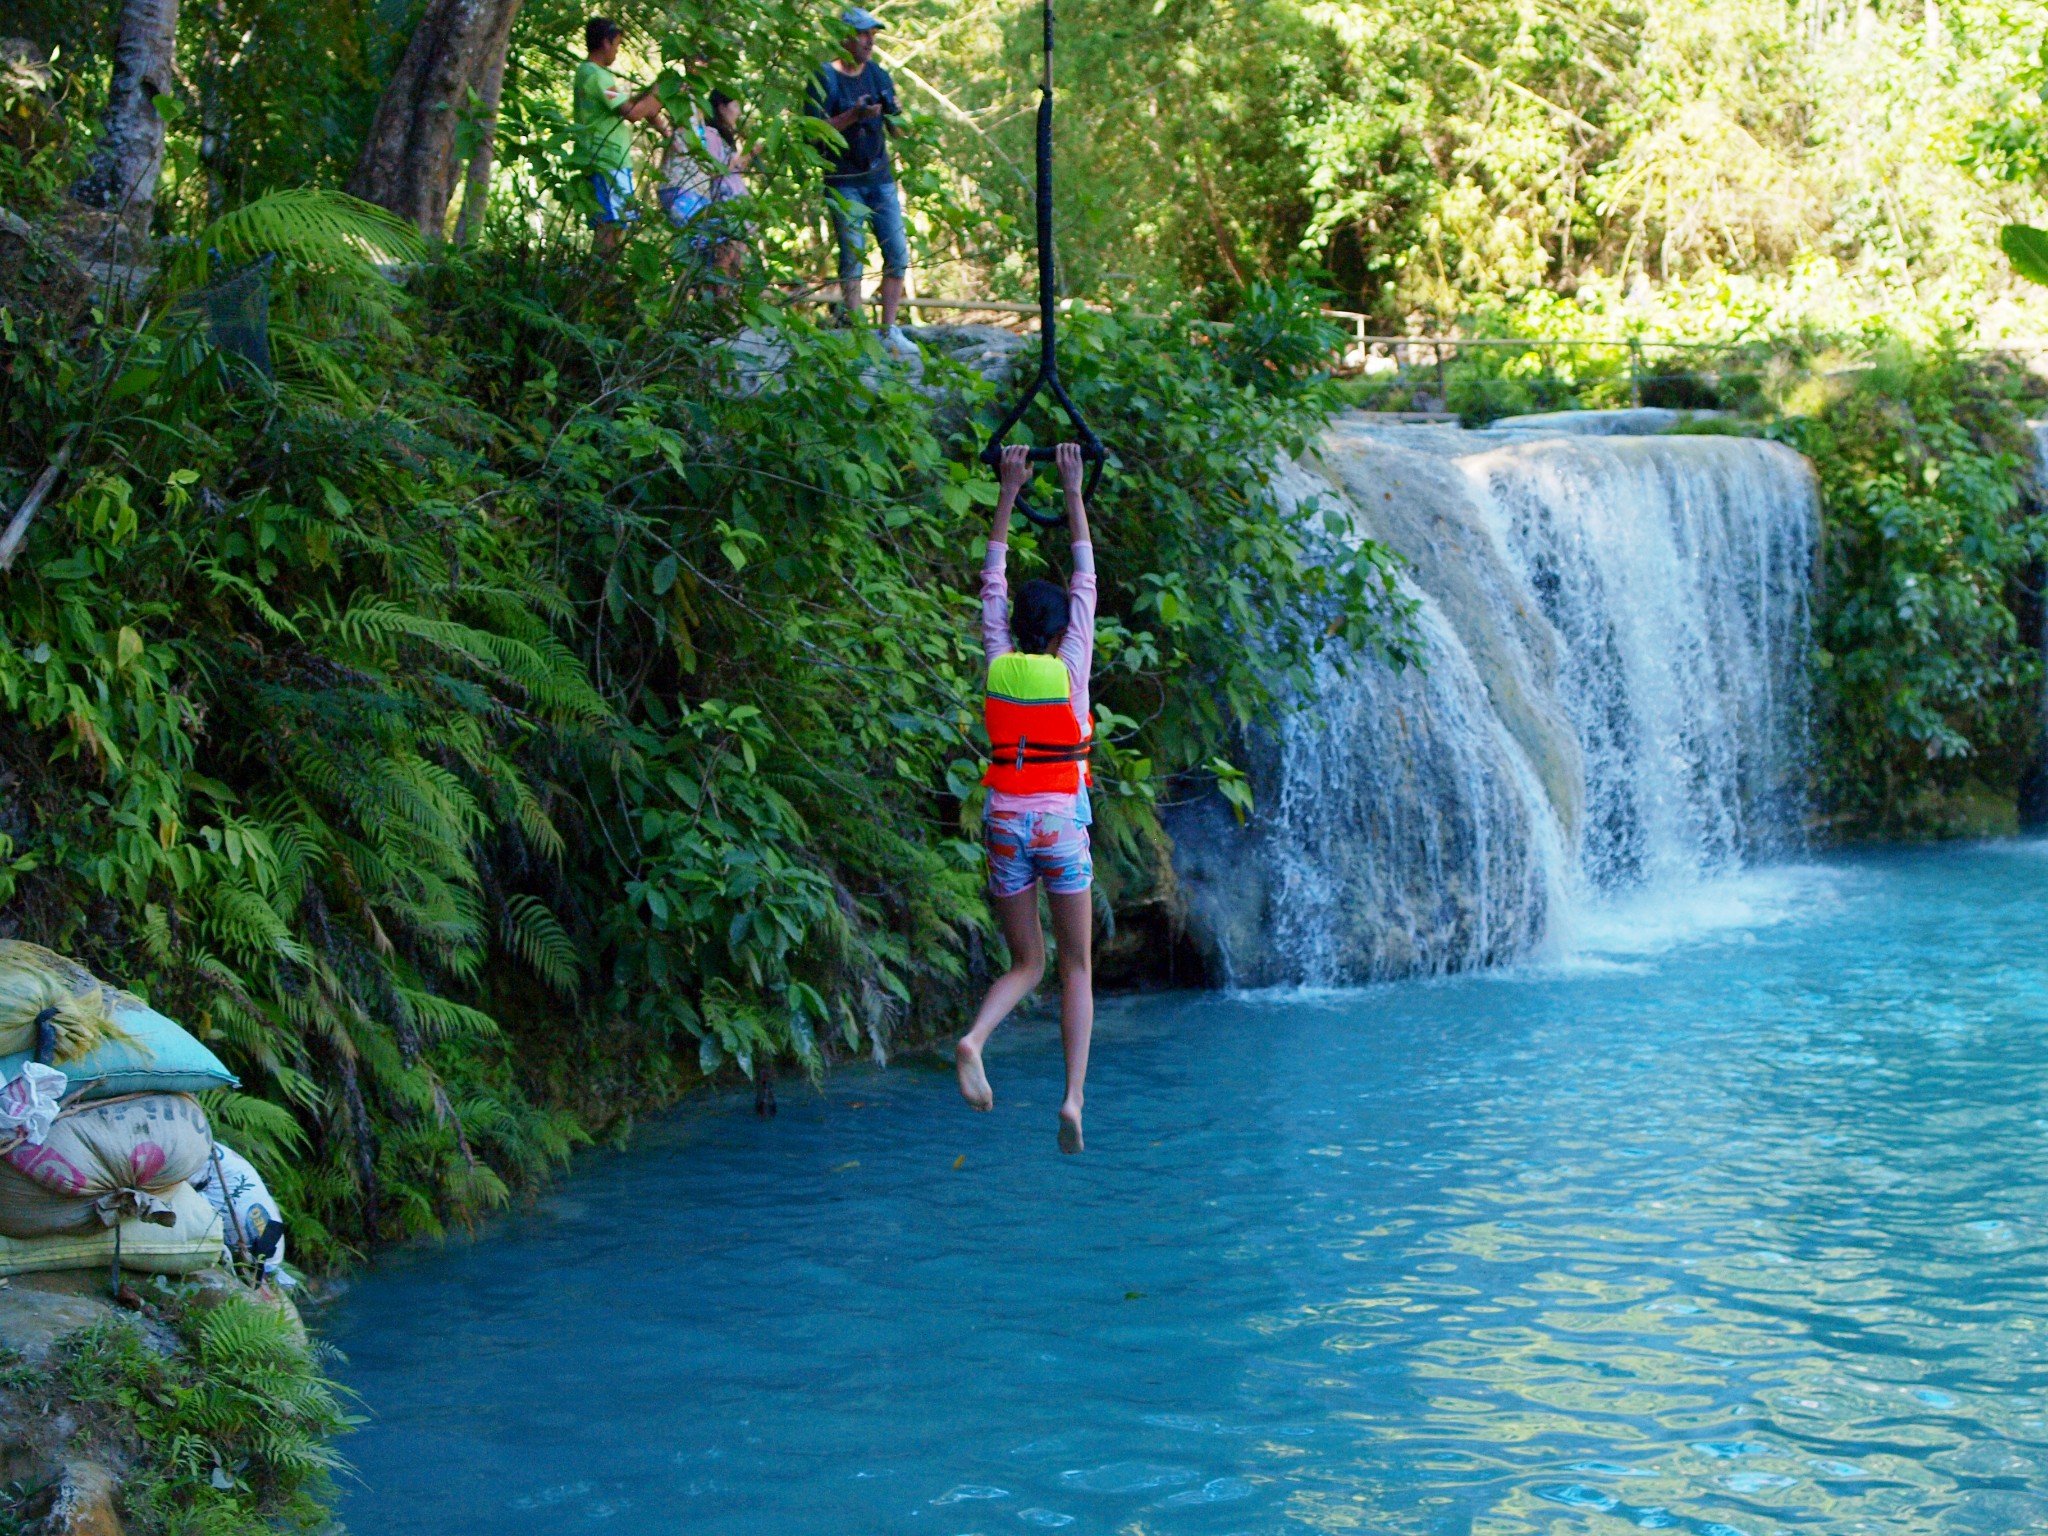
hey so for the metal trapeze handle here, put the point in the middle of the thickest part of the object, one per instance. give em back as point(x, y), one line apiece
point(1048, 375)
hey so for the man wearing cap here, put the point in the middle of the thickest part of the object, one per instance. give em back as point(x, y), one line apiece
point(856, 96)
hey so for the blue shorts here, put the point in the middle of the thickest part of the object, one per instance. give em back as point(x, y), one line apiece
point(853, 210)
point(614, 190)
point(705, 227)
point(1025, 847)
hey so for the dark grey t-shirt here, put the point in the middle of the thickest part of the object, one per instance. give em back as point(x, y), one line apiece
point(865, 162)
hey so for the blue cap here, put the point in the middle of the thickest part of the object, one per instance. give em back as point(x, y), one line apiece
point(858, 20)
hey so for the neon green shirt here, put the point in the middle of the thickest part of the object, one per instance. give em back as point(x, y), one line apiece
point(604, 138)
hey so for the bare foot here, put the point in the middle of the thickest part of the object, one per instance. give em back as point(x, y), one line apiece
point(1070, 1131)
point(974, 1086)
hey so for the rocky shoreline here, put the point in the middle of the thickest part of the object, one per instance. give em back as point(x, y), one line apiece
point(76, 1457)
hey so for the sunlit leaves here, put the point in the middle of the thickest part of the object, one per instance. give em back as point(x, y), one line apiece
point(2027, 249)
point(1924, 675)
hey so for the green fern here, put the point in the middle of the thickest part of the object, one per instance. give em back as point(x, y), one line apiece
point(537, 936)
point(234, 1433)
point(320, 229)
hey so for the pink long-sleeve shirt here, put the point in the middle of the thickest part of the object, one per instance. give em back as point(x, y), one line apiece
point(1077, 650)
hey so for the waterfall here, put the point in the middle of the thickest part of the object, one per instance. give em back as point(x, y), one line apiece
point(1614, 698)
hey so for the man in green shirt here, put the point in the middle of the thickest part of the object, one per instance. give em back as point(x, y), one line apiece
point(604, 110)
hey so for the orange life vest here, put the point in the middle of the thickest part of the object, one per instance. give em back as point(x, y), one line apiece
point(1036, 745)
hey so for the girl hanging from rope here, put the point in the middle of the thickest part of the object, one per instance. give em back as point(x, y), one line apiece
point(1036, 822)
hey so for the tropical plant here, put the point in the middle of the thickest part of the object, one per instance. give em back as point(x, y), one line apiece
point(231, 1436)
point(1927, 682)
point(479, 761)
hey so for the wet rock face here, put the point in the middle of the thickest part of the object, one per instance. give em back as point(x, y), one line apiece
point(1416, 496)
point(1613, 695)
point(1398, 833)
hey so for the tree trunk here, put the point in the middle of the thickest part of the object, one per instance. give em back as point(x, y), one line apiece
point(122, 175)
point(408, 161)
point(476, 192)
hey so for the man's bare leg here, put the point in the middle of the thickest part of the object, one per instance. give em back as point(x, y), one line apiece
point(1073, 926)
point(892, 300)
point(849, 297)
point(1019, 918)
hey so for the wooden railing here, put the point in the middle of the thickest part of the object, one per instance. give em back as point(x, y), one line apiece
point(1363, 348)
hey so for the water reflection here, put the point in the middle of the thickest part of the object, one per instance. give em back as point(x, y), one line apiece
point(1748, 1237)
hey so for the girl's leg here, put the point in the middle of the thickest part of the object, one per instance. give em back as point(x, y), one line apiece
point(1019, 917)
point(1073, 925)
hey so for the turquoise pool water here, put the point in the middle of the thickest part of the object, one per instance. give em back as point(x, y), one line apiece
point(1735, 1222)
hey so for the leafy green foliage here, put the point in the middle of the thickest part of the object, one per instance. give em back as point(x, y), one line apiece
point(231, 1436)
point(1442, 159)
point(477, 757)
point(2027, 249)
point(1926, 679)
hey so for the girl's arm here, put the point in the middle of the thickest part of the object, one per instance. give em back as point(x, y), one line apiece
point(1067, 456)
point(1011, 473)
point(1077, 645)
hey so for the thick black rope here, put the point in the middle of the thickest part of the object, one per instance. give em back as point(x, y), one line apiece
point(1048, 377)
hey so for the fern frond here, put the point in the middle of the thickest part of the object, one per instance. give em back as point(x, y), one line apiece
point(537, 936)
point(319, 228)
point(443, 1019)
point(545, 669)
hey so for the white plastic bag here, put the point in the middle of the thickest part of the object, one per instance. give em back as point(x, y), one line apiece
point(29, 1104)
point(250, 1223)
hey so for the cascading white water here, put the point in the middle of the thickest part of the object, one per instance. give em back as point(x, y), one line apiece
point(1675, 571)
point(1614, 696)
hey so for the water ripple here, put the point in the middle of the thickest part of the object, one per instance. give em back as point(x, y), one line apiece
point(1748, 1238)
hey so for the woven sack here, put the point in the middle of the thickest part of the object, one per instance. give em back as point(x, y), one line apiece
point(190, 1243)
point(102, 1163)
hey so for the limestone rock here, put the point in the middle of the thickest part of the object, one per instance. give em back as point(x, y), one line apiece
point(1623, 421)
point(759, 361)
point(38, 1310)
point(85, 1503)
point(1414, 497)
point(988, 350)
point(1613, 692)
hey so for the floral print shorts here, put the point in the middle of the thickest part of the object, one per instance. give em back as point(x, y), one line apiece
point(1028, 846)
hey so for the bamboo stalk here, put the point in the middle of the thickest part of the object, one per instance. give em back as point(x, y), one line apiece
point(17, 526)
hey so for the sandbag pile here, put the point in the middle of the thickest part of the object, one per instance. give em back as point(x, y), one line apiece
point(101, 1141)
point(107, 1042)
point(102, 1163)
